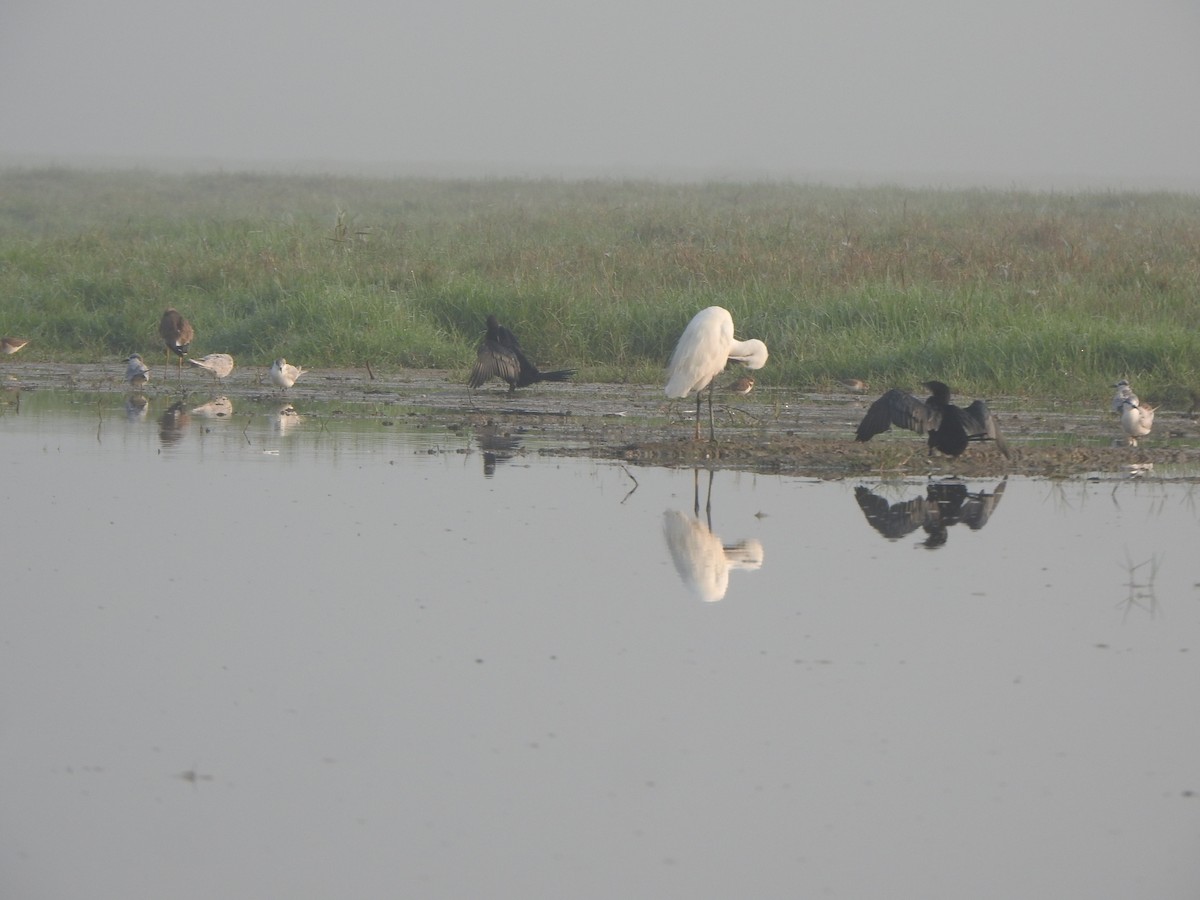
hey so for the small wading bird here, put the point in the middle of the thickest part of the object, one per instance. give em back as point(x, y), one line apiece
point(704, 349)
point(136, 372)
point(500, 356)
point(219, 365)
point(1136, 419)
point(177, 334)
point(11, 345)
point(284, 374)
point(743, 385)
point(950, 428)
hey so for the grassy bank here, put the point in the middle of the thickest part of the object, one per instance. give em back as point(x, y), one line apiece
point(994, 292)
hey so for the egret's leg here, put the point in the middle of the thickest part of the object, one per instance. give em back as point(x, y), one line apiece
point(712, 430)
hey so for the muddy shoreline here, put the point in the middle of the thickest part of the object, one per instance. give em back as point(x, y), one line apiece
point(784, 430)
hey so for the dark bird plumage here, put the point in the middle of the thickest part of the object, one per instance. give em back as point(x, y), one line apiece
point(500, 356)
point(950, 427)
point(944, 504)
point(176, 332)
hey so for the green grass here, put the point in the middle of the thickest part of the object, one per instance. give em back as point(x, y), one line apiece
point(994, 292)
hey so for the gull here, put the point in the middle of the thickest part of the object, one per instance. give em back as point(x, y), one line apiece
point(1136, 420)
point(950, 427)
point(283, 374)
point(136, 372)
point(705, 347)
point(218, 364)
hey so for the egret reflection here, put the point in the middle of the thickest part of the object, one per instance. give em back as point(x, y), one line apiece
point(945, 503)
point(702, 560)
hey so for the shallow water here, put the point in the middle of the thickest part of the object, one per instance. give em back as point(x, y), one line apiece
point(314, 655)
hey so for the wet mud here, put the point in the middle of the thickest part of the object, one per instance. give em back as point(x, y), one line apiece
point(773, 429)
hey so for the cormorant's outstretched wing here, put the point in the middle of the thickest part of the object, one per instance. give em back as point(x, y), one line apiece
point(979, 507)
point(980, 425)
point(898, 408)
point(892, 520)
point(493, 360)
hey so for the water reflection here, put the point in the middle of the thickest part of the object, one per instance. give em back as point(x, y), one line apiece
point(217, 408)
point(702, 560)
point(136, 407)
point(172, 424)
point(284, 419)
point(394, 584)
point(944, 504)
point(498, 446)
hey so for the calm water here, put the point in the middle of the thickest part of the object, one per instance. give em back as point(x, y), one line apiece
point(313, 656)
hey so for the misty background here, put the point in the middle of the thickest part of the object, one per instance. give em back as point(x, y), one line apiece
point(1056, 94)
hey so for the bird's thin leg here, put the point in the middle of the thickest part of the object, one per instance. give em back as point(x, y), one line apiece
point(708, 501)
point(697, 437)
point(712, 429)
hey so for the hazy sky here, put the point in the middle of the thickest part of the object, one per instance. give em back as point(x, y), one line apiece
point(1050, 92)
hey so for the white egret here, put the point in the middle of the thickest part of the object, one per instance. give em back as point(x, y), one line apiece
point(704, 349)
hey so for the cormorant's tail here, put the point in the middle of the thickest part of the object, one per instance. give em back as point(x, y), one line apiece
point(558, 375)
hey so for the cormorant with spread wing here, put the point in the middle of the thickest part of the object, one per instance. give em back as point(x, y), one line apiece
point(500, 356)
point(950, 427)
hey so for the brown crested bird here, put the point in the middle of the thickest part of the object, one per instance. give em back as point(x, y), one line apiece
point(177, 334)
point(500, 356)
point(950, 427)
point(11, 345)
point(855, 385)
point(743, 385)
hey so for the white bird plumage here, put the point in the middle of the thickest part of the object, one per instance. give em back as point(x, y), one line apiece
point(704, 349)
point(1136, 419)
point(217, 364)
point(702, 561)
point(284, 374)
point(136, 372)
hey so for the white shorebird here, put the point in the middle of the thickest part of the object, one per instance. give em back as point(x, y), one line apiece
point(10, 345)
point(1136, 420)
point(136, 372)
point(284, 374)
point(219, 365)
point(704, 349)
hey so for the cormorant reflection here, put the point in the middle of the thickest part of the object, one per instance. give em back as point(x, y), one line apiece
point(701, 559)
point(497, 447)
point(945, 503)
